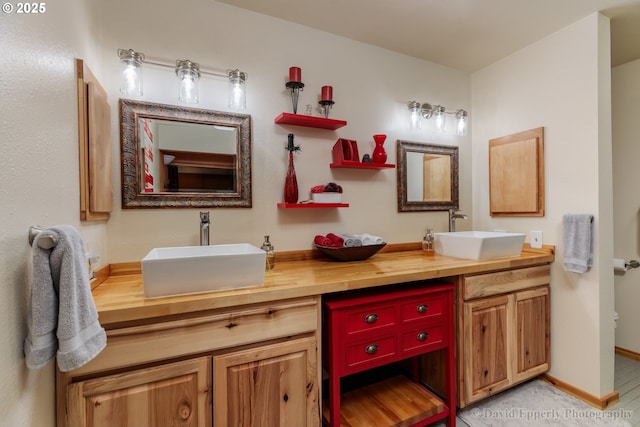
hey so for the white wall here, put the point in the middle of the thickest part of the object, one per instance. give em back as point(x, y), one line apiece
point(561, 82)
point(626, 196)
point(371, 89)
point(39, 177)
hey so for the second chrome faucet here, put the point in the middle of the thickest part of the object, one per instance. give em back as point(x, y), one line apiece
point(204, 228)
point(453, 215)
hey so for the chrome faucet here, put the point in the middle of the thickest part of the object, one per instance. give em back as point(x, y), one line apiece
point(204, 228)
point(453, 215)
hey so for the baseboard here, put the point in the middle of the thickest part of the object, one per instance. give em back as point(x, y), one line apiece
point(597, 402)
point(100, 275)
point(628, 353)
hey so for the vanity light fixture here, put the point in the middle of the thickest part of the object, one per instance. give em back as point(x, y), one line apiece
point(439, 123)
point(237, 89)
point(131, 72)
point(188, 73)
point(437, 112)
point(415, 112)
point(461, 122)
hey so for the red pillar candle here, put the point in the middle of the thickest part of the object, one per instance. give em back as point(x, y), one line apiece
point(327, 93)
point(295, 74)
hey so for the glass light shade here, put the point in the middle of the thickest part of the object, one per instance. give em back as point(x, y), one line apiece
point(237, 90)
point(131, 72)
point(415, 121)
point(188, 75)
point(439, 122)
point(461, 122)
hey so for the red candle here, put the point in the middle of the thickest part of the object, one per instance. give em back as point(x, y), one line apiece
point(327, 93)
point(295, 74)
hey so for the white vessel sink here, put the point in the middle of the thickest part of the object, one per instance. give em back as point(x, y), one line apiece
point(479, 245)
point(192, 269)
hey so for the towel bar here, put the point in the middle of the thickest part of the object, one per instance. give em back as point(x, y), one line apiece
point(45, 243)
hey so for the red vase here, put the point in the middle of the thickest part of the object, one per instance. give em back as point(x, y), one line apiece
point(291, 183)
point(379, 155)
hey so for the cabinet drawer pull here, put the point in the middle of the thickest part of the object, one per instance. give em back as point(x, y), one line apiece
point(422, 308)
point(422, 336)
point(371, 318)
point(371, 349)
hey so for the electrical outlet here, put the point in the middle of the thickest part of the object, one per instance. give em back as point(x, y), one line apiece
point(536, 239)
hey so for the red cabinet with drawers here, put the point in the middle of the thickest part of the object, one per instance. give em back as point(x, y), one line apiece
point(368, 330)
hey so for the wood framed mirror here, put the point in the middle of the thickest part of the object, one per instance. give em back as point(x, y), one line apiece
point(427, 177)
point(178, 157)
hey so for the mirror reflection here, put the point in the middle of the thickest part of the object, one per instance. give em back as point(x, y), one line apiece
point(181, 157)
point(427, 176)
point(184, 157)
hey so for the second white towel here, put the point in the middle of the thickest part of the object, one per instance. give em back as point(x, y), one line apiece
point(364, 239)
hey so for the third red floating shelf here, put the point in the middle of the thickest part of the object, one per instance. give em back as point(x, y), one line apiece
point(361, 165)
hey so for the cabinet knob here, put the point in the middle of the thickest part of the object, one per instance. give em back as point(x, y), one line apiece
point(422, 308)
point(371, 318)
point(422, 336)
point(371, 349)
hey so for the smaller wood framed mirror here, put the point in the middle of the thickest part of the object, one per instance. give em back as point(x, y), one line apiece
point(427, 177)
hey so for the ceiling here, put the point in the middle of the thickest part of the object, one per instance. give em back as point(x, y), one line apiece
point(463, 34)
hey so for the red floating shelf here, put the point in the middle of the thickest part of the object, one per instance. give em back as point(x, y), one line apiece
point(312, 205)
point(361, 165)
point(309, 121)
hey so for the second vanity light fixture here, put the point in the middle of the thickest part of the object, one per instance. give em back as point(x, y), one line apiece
point(437, 112)
point(188, 73)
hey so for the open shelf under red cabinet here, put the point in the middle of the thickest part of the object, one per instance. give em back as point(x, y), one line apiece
point(361, 165)
point(312, 205)
point(309, 121)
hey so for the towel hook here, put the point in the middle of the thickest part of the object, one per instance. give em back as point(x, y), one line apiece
point(46, 242)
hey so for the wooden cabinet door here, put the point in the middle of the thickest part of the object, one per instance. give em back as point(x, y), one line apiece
point(532, 333)
point(486, 337)
point(268, 386)
point(172, 395)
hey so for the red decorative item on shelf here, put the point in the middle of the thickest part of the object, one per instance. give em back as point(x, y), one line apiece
point(345, 149)
point(327, 93)
point(295, 85)
point(291, 182)
point(379, 155)
point(295, 74)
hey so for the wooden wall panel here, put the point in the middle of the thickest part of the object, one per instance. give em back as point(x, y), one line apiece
point(94, 142)
point(516, 174)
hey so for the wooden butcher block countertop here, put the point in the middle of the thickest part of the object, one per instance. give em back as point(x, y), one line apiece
point(119, 295)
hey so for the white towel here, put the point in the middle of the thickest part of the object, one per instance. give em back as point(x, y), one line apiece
point(351, 240)
point(577, 239)
point(62, 315)
point(364, 239)
point(370, 239)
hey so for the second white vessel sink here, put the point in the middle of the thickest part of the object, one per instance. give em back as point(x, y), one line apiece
point(479, 245)
point(193, 269)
